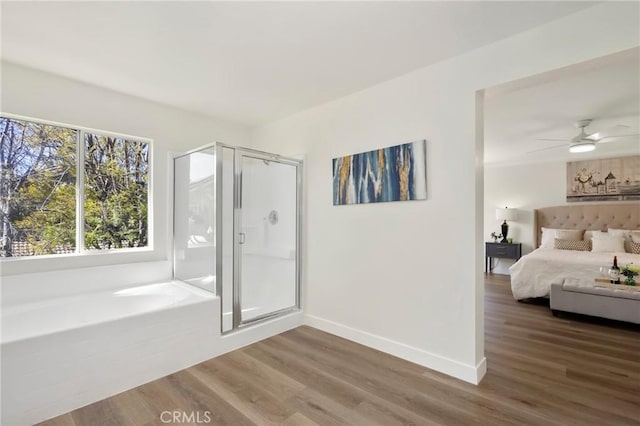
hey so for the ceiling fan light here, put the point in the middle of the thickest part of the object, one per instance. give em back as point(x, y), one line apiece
point(583, 146)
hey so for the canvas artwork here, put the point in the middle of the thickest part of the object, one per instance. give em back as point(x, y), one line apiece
point(604, 179)
point(397, 173)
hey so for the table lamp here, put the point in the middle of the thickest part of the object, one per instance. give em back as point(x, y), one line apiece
point(506, 214)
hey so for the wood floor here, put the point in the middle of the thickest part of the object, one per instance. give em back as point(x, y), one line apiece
point(542, 370)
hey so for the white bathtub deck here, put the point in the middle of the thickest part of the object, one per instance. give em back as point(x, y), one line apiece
point(67, 352)
point(40, 318)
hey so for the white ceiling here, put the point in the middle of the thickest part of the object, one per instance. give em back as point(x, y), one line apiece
point(606, 90)
point(253, 62)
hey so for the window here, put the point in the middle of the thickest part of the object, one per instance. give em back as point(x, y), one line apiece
point(116, 176)
point(70, 190)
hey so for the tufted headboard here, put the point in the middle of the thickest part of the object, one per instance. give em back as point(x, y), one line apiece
point(586, 216)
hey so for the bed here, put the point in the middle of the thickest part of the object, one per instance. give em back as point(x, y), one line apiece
point(534, 273)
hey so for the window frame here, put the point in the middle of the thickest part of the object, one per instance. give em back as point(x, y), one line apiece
point(80, 249)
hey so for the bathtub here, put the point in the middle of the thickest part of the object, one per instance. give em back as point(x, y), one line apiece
point(29, 320)
point(66, 352)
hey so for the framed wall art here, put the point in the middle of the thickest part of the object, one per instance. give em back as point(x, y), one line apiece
point(605, 179)
point(396, 173)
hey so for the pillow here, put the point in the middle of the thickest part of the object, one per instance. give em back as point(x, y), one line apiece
point(550, 234)
point(635, 236)
point(578, 245)
point(635, 247)
point(595, 234)
point(626, 233)
point(607, 245)
point(620, 233)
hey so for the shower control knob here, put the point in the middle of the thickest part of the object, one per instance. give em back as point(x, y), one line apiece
point(273, 217)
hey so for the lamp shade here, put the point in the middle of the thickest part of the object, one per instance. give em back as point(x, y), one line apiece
point(506, 214)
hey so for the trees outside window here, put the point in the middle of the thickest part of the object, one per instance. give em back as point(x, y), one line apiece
point(40, 190)
point(37, 188)
point(116, 181)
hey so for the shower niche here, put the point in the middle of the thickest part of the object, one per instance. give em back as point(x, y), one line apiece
point(236, 230)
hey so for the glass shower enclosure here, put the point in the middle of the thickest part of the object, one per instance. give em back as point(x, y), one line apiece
point(236, 230)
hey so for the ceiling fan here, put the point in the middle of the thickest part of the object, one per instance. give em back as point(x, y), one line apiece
point(584, 142)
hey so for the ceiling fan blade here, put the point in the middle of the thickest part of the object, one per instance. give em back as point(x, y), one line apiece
point(554, 140)
point(548, 148)
point(616, 138)
point(608, 132)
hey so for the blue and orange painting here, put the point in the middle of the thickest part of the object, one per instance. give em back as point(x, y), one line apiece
point(397, 173)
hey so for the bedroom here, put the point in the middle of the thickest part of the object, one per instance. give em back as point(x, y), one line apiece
point(529, 127)
point(372, 274)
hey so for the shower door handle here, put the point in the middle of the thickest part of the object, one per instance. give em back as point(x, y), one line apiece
point(241, 238)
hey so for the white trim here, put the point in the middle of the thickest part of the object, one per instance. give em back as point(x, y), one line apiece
point(75, 127)
point(171, 214)
point(151, 229)
point(80, 249)
point(56, 262)
point(86, 253)
point(481, 370)
point(469, 373)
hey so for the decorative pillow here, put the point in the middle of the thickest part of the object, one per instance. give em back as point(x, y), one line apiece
point(635, 247)
point(550, 234)
point(578, 245)
point(607, 245)
point(635, 236)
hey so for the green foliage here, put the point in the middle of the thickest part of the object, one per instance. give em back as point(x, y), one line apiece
point(38, 189)
point(55, 226)
point(37, 185)
point(116, 190)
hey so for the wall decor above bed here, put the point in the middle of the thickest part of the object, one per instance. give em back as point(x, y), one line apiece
point(606, 179)
point(396, 173)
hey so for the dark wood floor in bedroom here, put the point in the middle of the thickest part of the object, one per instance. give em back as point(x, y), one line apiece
point(541, 370)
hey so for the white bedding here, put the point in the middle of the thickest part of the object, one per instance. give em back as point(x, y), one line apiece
point(532, 275)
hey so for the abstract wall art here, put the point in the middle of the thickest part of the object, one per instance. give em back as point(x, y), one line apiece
point(397, 173)
point(605, 179)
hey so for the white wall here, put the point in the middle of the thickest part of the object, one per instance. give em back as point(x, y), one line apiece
point(36, 94)
point(407, 277)
point(524, 187)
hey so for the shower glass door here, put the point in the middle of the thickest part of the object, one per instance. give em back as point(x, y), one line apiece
point(267, 220)
point(194, 218)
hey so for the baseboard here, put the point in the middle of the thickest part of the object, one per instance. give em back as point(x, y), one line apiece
point(481, 370)
point(468, 373)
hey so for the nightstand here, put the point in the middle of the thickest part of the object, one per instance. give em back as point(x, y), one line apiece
point(502, 251)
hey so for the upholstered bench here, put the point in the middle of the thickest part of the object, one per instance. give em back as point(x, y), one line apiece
point(583, 297)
